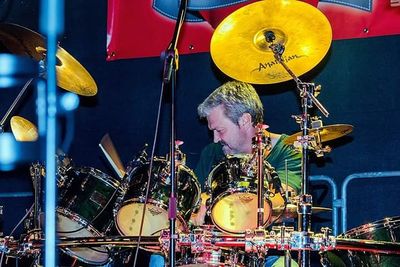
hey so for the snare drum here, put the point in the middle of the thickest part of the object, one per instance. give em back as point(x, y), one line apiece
point(129, 215)
point(85, 209)
point(233, 188)
point(387, 229)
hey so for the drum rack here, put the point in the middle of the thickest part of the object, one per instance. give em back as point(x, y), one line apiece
point(202, 241)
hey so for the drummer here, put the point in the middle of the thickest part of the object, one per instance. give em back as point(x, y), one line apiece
point(232, 111)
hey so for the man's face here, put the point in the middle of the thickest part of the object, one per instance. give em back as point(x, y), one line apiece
point(228, 133)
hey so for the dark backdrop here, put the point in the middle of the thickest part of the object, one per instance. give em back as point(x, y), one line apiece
point(360, 86)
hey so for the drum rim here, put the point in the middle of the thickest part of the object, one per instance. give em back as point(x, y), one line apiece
point(371, 227)
point(180, 167)
point(83, 222)
point(107, 179)
point(70, 253)
point(68, 213)
point(223, 162)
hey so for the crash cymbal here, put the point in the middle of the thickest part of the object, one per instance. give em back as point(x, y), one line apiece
point(71, 75)
point(327, 133)
point(291, 210)
point(240, 49)
point(23, 130)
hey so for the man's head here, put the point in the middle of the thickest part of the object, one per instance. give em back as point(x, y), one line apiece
point(232, 111)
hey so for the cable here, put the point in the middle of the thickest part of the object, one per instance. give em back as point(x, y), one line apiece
point(150, 172)
point(21, 221)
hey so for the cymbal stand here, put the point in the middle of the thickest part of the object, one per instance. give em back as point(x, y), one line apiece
point(14, 104)
point(36, 174)
point(260, 145)
point(287, 255)
point(306, 92)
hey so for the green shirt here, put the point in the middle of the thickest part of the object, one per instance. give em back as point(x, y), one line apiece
point(213, 154)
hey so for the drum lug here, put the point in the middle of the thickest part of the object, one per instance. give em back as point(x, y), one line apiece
point(71, 202)
point(83, 184)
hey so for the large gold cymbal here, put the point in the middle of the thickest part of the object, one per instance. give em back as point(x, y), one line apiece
point(23, 130)
point(326, 133)
point(240, 49)
point(71, 75)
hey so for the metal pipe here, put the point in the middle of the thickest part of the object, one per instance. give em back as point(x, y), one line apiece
point(336, 203)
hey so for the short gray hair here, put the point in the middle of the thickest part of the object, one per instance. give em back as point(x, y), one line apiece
point(237, 98)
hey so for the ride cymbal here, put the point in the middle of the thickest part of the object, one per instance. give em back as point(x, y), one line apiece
point(71, 75)
point(23, 130)
point(326, 133)
point(240, 49)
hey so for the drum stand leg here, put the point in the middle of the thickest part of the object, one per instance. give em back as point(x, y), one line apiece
point(288, 259)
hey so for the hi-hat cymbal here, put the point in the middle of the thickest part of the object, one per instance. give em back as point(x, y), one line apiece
point(326, 133)
point(23, 130)
point(291, 210)
point(71, 75)
point(240, 49)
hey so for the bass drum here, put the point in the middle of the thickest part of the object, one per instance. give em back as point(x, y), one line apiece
point(387, 229)
point(85, 209)
point(233, 188)
point(129, 214)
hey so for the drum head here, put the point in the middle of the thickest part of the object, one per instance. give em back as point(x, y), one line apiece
point(68, 225)
point(237, 212)
point(155, 220)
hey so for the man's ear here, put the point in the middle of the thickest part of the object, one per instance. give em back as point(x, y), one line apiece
point(245, 120)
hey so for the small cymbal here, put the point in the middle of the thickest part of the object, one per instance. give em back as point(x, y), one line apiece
point(23, 130)
point(291, 210)
point(327, 133)
point(71, 75)
point(240, 49)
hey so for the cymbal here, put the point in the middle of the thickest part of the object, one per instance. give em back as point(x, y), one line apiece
point(23, 130)
point(240, 49)
point(291, 210)
point(327, 133)
point(71, 75)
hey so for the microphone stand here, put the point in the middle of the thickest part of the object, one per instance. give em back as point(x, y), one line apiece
point(306, 92)
point(169, 78)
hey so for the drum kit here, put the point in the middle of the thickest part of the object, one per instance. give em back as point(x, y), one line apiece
point(97, 215)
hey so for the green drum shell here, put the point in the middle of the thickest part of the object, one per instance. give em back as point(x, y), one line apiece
point(387, 229)
point(85, 209)
point(91, 194)
point(188, 191)
point(232, 185)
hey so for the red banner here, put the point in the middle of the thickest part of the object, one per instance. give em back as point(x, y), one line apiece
point(144, 28)
point(349, 21)
point(135, 29)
